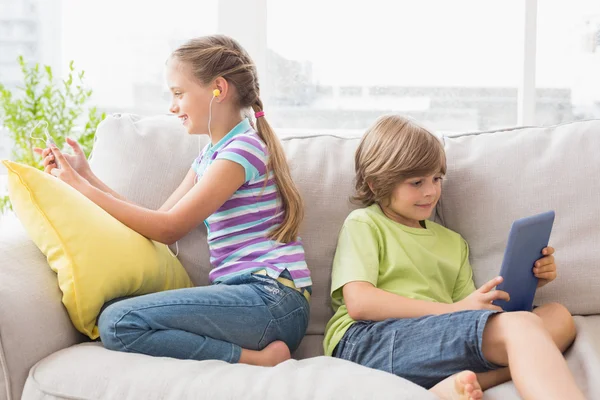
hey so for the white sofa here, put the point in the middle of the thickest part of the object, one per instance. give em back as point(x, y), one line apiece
point(493, 178)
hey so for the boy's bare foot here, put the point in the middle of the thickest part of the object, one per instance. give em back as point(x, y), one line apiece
point(275, 353)
point(461, 386)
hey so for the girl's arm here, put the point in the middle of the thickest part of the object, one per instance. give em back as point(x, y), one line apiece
point(365, 302)
point(79, 163)
point(186, 185)
point(217, 185)
point(96, 182)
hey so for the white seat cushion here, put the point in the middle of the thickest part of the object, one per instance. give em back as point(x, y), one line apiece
point(88, 371)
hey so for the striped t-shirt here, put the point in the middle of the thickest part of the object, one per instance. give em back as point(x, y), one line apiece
point(238, 231)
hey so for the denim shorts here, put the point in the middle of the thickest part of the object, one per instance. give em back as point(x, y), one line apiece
point(423, 350)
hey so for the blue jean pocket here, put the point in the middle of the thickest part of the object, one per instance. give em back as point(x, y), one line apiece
point(290, 329)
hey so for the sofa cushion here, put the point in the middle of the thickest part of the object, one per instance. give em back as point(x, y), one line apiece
point(494, 178)
point(89, 371)
point(96, 258)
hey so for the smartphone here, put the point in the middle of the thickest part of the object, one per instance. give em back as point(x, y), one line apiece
point(49, 143)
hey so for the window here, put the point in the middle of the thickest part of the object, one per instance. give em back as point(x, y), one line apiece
point(8, 7)
point(342, 67)
point(123, 46)
point(568, 61)
point(456, 66)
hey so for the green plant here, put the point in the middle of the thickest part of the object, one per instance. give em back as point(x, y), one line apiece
point(40, 98)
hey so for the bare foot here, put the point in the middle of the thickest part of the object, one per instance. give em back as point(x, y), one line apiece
point(461, 386)
point(275, 353)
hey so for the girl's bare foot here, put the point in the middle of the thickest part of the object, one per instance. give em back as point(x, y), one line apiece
point(461, 386)
point(275, 353)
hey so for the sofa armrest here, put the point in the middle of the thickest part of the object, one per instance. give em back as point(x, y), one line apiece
point(33, 321)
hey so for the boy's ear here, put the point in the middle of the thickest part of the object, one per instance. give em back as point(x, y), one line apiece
point(370, 186)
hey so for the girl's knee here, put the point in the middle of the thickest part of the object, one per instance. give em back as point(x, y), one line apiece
point(113, 323)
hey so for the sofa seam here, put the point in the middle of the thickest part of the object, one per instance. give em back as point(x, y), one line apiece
point(516, 128)
point(49, 392)
point(345, 138)
point(4, 366)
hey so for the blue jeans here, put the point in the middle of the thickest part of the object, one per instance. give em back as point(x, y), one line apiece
point(423, 350)
point(207, 323)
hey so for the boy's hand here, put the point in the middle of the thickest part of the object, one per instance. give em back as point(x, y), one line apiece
point(482, 298)
point(545, 268)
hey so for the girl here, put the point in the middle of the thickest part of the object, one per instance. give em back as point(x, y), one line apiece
point(256, 310)
point(403, 291)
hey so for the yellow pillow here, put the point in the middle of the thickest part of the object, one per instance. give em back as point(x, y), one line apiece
point(95, 256)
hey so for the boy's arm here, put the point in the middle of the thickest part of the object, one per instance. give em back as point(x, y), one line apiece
point(464, 284)
point(365, 302)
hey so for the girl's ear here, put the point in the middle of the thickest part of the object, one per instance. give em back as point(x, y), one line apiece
point(223, 86)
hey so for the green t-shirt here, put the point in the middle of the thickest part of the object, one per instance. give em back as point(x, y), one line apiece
point(429, 264)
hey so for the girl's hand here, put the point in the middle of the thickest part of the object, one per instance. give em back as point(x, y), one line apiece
point(66, 173)
point(482, 298)
point(545, 268)
point(77, 160)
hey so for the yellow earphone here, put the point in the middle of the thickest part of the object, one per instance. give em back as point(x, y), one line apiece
point(216, 93)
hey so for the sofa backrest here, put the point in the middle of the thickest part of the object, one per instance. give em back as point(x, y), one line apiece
point(496, 177)
point(493, 178)
point(323, 169)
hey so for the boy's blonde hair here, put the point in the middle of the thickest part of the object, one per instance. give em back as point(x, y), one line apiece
point(394, 149)
point(221, 56)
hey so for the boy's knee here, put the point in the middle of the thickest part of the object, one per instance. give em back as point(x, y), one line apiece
point(506, 328)
point(560, 318)
point(560, 312)
point(514, 321)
